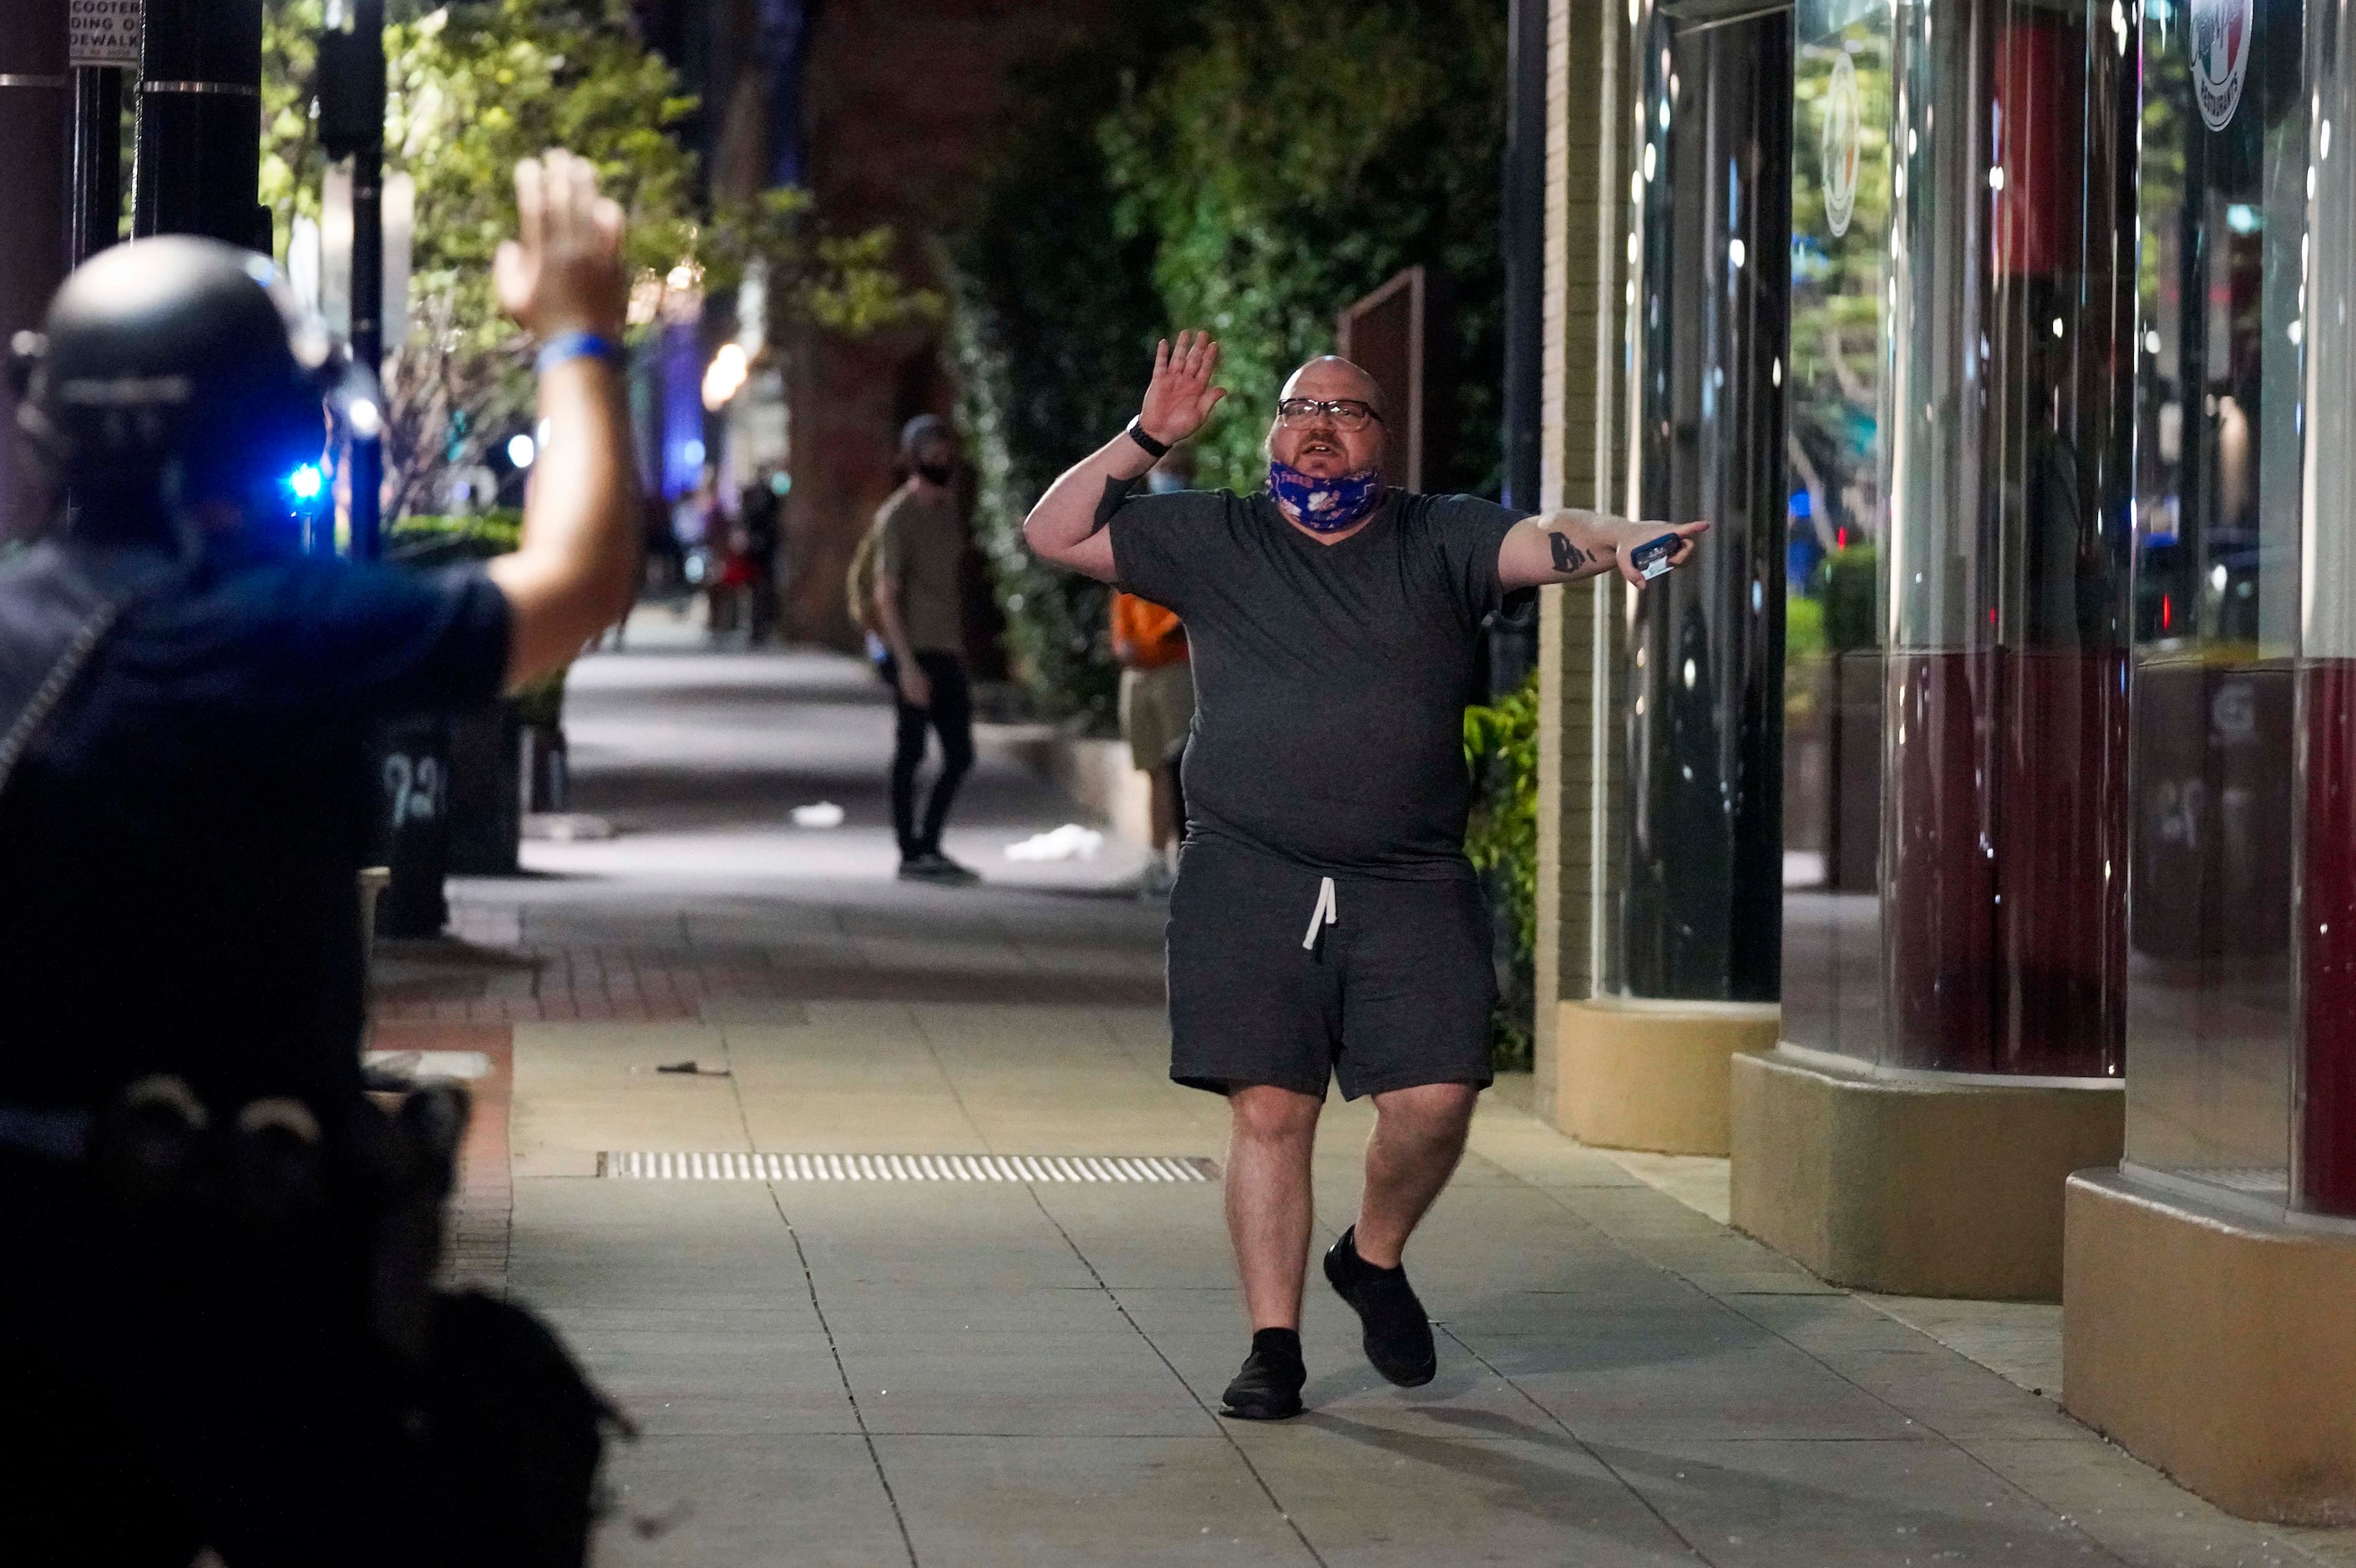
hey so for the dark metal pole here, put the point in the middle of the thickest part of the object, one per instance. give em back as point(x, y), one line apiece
point(413, 752)
point(96, 220)
point(367, 283)
point(351, 124)
point(1513, 640)
point(1522, 237)
point(198, 162)
point(33, 113)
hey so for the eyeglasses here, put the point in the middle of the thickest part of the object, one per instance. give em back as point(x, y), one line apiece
point(1347, 413)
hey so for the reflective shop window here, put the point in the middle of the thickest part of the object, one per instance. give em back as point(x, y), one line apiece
point(1837, 520)
point(1958, 766)
point(2217, 593)
point(1695, 867)
point(2008, 569)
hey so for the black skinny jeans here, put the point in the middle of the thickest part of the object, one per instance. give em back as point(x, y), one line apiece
point(951, 716)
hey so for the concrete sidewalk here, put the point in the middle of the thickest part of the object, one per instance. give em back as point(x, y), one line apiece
point(1024, 1372)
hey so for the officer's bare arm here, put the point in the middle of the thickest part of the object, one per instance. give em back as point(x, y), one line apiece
point(576, 570)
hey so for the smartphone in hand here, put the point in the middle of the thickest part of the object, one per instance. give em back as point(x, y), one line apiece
point(1654, 556)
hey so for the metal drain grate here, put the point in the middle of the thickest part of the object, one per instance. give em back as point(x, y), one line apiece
point(668, 1165)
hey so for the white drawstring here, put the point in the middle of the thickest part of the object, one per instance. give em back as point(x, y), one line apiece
point(1327, 913)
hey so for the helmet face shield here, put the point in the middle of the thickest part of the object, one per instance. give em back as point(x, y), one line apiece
point(177, 371)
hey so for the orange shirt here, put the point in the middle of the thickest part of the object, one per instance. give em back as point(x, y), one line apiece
point(1144, 635)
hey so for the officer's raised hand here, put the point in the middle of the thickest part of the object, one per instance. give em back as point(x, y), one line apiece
point(575, 570)
point(562, 272)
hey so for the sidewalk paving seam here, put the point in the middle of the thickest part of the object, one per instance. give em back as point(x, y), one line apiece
point(1218, 1423)
point(1031, 1190)
point(1970, 1450)
point(810, 1283)
point(948, 1079)
point(874, 1457)
point(1609, 1469)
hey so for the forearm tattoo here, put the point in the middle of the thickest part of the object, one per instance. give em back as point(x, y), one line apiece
point(1568, 557)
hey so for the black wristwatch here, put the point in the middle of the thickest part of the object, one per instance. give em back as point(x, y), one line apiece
point(1158, 450)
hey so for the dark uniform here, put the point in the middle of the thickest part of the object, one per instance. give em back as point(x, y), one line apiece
point(198, 1344)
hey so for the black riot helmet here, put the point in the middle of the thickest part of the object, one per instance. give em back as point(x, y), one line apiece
point(171, 373)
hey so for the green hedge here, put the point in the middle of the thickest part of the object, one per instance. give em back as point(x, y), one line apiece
point(1501, 747)
point(1053, 321)
point(1249, 166)
point(1296, 154)
point(445, 541)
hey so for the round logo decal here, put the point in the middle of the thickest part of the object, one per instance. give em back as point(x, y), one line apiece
point(1836, 142)
point(2221, 57)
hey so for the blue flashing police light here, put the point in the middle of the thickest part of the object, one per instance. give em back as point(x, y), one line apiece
point(306, 482)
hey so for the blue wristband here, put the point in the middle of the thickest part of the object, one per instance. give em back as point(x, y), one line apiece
point(577, 346)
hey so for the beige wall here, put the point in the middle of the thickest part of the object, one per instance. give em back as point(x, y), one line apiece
point(1579, 455)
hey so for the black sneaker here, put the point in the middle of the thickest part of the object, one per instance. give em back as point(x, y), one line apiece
point(1397, 1334)
point(932, 866)
point(1269, 1387)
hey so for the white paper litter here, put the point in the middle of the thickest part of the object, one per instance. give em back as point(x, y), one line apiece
point(420, 1065)
point(566, 827)
point(1069, 842)
point(824, 813)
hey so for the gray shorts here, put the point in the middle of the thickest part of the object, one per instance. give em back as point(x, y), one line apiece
point(1393, 991)
point(1157, 707)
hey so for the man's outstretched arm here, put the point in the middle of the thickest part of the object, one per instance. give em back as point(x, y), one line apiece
point(1567, 545)
point(1062, 526)
point(575, 570)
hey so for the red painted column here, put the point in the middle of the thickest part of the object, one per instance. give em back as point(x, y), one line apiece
point(2323, 1128)
point(2327, 1100)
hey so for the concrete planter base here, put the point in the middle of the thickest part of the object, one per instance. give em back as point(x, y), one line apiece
point(2219, 1347)
point(1916, 1185)
point(1652, 1076)
point(1096, 774)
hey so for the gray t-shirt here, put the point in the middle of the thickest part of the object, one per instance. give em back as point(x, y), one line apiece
point(920, 545)
point(1331, 680)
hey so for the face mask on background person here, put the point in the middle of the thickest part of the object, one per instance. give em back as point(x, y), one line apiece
point(1161, 481)
point(937, 473)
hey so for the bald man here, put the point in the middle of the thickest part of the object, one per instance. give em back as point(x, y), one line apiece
point(1326, 924)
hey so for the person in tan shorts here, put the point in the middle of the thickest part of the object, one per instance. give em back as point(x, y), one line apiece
point(1157, 711)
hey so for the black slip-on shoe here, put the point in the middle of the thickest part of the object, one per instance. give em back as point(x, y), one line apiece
point(1397, 1333)
point(1269, 1387)
point(932, 866)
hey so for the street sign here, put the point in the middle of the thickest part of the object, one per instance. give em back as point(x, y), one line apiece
point(105, 33)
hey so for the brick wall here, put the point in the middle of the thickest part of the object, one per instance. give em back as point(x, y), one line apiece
point(900, 99)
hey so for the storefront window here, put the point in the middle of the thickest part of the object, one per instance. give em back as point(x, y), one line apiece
point(2217, 600)
point(1695, 873)
point(1963, 341)
point(2008, 569)
point(1838, 519)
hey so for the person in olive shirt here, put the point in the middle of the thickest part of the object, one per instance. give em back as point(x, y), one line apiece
point(920, 542)
point(1326, 922)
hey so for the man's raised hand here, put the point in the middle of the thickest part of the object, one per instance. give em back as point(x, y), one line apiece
point(1179, 400)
